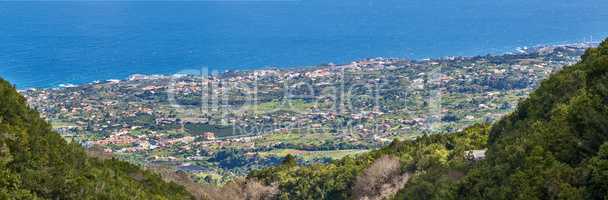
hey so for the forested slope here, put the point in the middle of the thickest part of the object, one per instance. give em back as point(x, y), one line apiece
point(36, 163)
point(554, 146)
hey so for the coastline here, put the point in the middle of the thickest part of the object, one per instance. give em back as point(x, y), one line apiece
point(515, 51)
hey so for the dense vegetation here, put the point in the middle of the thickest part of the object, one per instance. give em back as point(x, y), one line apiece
point(36, 163)
point(553, 146)
point(430, 154)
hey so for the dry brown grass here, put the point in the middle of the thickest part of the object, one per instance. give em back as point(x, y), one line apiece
point(240, 189)
point(381, 180)
point(244, 189)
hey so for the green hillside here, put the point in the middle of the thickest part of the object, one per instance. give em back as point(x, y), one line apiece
point(36, 163)
point(554, 146)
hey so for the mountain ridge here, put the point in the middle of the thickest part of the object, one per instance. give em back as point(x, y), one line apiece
point(36, 163)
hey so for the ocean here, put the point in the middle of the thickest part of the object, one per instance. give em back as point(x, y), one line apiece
point(47, 43)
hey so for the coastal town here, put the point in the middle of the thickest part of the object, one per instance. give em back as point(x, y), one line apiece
point(217, 125)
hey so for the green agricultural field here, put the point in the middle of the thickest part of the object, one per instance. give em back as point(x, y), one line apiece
point(61, 124)
point(275, 106)
point(295, 138)
point(310, 155)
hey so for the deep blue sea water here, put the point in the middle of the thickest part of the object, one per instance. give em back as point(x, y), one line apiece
point(43, 44)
